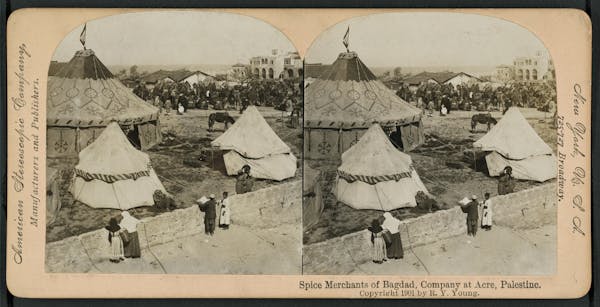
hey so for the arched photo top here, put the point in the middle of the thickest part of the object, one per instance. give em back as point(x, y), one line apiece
point(435, 42)
point(212, 42)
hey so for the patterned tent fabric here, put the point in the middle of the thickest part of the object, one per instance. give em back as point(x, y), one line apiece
point(349, 96)
point(84, 93)
point(312, 196)
point(373, 179)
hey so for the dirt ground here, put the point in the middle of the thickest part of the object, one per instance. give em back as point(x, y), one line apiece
point(446, 171)
point(184, 163)
point(515, 252)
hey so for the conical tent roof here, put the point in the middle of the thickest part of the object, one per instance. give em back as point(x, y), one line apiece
point(513, 138)
point(111, 173)
point(84, 93)
point(111, 154)
point(348, 95)
point(373, 159)
point(252, 137)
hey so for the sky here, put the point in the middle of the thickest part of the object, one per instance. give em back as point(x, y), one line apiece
point(175, 38)
point(427, 39)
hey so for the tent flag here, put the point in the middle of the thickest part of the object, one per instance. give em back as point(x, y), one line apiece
point(346, 40)
point(82, 35)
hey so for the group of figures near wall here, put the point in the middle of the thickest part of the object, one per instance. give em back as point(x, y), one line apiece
point(386, 241)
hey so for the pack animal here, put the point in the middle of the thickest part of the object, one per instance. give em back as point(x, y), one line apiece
point(219, 117)
point(482, 118)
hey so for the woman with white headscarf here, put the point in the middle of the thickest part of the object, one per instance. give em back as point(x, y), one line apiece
point(132, 247)
point(392, 224)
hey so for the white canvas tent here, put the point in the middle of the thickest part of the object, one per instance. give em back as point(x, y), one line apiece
point(513, 142)
point(250, 140)
point(376, 175)
point(111, 173)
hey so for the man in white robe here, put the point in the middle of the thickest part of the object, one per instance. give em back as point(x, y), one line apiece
point(225, 215)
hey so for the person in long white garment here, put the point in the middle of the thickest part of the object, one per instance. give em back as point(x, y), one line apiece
point(225, 215)
point(486, 213)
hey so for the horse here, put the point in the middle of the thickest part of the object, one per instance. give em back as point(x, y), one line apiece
point(220, 117)
point(482, 118)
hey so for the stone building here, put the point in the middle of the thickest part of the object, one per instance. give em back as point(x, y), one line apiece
point(239, 71)
point(534, 68)
point(278, 65)
point(503, 73)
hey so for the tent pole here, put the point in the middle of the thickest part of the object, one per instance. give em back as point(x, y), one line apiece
point(340, 140)
point(77, 140)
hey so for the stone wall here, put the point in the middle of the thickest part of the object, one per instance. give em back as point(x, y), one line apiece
point(262, 209)
point(341, 255)
point(524, 209)
point(269, 207)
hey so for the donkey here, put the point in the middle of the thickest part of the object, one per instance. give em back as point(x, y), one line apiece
point(220, 117)
point(482, 118)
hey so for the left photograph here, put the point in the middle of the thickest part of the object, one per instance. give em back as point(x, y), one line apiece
point(174, 146)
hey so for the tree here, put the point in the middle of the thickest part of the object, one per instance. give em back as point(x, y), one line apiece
point(398, 72)
point(133, 71)
point(122, 73)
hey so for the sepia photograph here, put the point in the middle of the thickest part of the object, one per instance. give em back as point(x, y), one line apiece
point(299, 153)
point(430, 148)
point(174, 146)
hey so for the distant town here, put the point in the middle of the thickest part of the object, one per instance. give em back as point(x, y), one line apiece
point(526, 69)
point(279, 65)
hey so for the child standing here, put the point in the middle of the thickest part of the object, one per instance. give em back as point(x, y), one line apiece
point(225, 216)
point(379, 251)
point(114, 238)
point(486, 213)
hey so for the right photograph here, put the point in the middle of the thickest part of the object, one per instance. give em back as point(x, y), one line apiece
point(430, 148)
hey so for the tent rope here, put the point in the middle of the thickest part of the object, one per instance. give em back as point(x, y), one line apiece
point(89, 256)
point(413, 251)
point(150, 250)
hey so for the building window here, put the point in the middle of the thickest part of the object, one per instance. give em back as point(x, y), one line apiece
point(287, 61)
point(534, 74)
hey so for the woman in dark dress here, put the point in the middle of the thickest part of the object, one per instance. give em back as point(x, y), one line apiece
point(129, 224)
point(392, 224)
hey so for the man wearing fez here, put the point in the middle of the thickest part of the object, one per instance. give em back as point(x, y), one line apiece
point(210, 215)
point(472, 211)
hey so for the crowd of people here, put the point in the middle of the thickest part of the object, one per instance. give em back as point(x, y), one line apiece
point(280, 94)
point(432, 97)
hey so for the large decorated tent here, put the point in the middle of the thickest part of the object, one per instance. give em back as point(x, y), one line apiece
point(513, 142)
point(345, 101)
point(251, 141)
point(84, 97)
point(53, 203)
point(375, 175)
point(111, 173)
